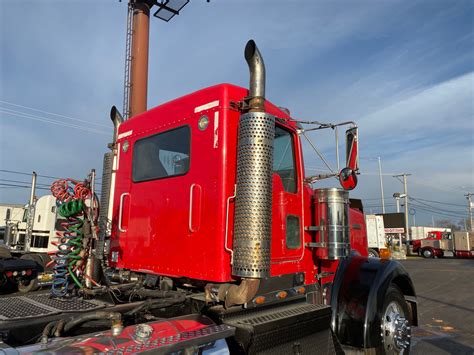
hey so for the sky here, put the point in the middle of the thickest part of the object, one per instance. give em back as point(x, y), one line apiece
point(403, 70)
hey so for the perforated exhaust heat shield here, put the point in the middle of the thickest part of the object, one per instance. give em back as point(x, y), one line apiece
point(253, 204)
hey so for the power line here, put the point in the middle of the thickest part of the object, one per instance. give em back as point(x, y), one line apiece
point(28, 174)
point(445, 214)
point(54, 114)
point(439, 187)
point(387, 204)
point(427, 209)
point(50, 121)
point(22, 182)
point(443, 203)
point(23, 186)
point(377, 198)
point(43, 176)
point(434, 207)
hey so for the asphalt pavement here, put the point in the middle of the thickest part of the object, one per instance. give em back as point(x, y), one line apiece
point(445, 294)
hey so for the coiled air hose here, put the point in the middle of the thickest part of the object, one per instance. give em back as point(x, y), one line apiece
point(69, 258)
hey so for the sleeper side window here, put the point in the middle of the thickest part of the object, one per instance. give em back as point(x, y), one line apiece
point(162, 155)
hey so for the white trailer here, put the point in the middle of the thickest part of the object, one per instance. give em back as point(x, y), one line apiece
point(375, 234)
point(45, 224)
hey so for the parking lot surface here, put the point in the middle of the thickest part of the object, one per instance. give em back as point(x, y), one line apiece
point(445, 293)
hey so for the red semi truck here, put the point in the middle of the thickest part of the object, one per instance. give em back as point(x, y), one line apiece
point(461, 244)
point(213, 238)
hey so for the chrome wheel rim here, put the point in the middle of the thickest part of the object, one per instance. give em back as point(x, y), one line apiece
point(396, 332)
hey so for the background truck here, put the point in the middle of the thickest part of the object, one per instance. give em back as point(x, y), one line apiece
point(376, 238)
point(421, 232)
point(423, 247)
point(211, 236)
point(17, 246)
point(458, 243)
point(9, 213)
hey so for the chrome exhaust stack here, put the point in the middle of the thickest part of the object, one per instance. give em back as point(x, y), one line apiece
point(256, 99)
point(117, 119)
point(253, 203)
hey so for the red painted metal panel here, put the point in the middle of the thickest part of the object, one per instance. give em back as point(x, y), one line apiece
point(177, 226)
point(358, 232)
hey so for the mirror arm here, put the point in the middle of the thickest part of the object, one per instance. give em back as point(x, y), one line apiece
point(326, 125)
point(314, 178)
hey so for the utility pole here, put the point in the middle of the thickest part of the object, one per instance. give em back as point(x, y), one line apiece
point(31, 213)
point(381, 186)
point(469, 209)
point(405, 192)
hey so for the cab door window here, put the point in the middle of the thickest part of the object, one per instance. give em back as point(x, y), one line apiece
point(284, 159)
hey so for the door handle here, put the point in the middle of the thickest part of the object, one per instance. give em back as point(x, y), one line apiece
point(192, 205)
point(122, 197)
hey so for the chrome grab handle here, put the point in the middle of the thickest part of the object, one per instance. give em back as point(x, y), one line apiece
point(122, 196)
point(226, 247)
point(190, 221)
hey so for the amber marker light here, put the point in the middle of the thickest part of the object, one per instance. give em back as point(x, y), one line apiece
point(259, 300)
point(385, 254)
point(281, 295)
point(301, 290)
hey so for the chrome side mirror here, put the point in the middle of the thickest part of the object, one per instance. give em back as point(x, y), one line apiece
point(352, 148)
point(348, 175)
point(348, 179)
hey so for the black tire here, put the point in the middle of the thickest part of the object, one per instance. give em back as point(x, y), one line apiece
point(373, 253)
point(34, 257)
point(427, 253)
point(394, 308)
point(28, 285)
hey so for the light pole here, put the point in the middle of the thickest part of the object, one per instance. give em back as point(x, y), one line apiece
point(136, 50)
point(381, 181)
point(397, 197)
point(469, 207)
point(381, 186)
point(405, 193)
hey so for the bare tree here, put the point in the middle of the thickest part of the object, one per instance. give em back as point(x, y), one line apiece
point(447, 223)
point(464, 224)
